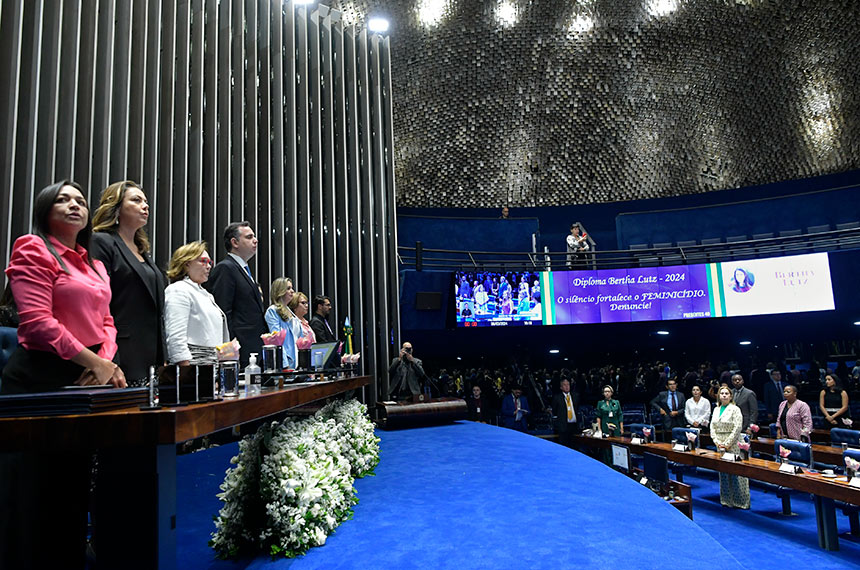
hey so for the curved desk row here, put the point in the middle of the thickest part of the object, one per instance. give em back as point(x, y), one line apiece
point(824, 490)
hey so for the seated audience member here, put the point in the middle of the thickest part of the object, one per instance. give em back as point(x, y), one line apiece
point(299, 305)
point(794, 419)
point(405, 374)
point(66, 336)
point(745, 399)
point(515, 408)
point(319, 321)
point(506, 213)
point(697, 410)
point(564, 406)
point(610, 418)
point(137, 284)
point(66, 333)
point(833, 402)
point(279, 317)
point(670, 404)
point(478, 405)
point(726, 425)
point(193, 322)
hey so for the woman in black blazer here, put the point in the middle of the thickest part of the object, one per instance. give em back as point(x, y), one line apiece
point(137, 285)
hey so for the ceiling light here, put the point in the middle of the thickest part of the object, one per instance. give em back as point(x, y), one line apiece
point(378, 25)
point(553, 351)
point(430, 12)
point(506, 13)
point(745, 343)
point(660, 8)
point(663, 333)
point(581, 24)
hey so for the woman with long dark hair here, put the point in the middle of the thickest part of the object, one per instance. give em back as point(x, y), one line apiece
point(137, 284)
point(66, 334)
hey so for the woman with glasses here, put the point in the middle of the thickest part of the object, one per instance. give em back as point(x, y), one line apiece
point(193, 322)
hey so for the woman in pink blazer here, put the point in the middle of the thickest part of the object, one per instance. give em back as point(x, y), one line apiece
point(794, 419)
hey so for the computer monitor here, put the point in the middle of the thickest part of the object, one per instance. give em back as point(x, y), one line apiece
point(324, 355)
point(621, 458)
point(656, 468)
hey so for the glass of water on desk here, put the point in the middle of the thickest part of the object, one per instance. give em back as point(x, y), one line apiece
point(229, 372)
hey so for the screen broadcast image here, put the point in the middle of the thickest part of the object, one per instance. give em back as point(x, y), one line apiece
point(788, 284)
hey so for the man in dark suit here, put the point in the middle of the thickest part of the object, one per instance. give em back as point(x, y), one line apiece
point(236, 291)
point(670, 404)
point(515, 409)
point(745, 399)
point(319, 322)
point(565, 418)
point(773, 393)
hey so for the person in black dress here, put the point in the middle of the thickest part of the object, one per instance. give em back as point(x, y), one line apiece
point(137, 284)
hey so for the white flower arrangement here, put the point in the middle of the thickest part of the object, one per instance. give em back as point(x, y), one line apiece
point(292, 483)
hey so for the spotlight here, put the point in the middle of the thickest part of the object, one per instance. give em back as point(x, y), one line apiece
point(506, 13)
point(378, 25)
point(459, 358)
point(745, 343)
point(581, 24)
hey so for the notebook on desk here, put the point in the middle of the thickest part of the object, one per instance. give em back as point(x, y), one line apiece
point(78, 400)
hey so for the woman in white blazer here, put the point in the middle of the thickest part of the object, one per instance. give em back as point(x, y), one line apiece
point(193, 322)
point(697, 409)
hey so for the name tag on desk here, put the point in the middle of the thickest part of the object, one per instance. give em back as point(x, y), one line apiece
point(854, 482)
point(637, 441)
point(730, 457)
point(679, 447)
point(788, 468)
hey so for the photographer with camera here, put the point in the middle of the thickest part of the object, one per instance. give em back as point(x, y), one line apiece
point(405, 374)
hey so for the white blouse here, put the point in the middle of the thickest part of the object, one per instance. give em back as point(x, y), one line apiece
point(191, 316)
point(700, 412)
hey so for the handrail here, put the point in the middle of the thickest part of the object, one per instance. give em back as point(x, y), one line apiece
point(651, 257)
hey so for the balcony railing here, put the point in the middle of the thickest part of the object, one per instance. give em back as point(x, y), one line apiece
point(420, 258)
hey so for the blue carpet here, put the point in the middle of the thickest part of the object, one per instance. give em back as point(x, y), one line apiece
point(473, 496)
point(761, 537)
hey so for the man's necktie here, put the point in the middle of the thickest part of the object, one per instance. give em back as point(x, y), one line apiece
point(569, 407)
point(674, 403)
point(248, 271)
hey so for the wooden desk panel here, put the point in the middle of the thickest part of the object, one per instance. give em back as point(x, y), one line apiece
point(822, 453)
point(129, 427)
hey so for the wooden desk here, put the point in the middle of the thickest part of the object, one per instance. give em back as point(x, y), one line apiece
point(824, 490)
point(822, 453)
point(683, 494)
point(142, 524)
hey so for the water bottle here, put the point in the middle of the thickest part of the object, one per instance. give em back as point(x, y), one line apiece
point(251, 371)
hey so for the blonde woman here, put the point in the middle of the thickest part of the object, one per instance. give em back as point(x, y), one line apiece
point(299, 306)
point(137, 284)
point(726, 423)
point(193, 322)
point(280, 317)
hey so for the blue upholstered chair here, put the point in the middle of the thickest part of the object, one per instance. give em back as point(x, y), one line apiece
point(8, 344)
point(636, 429)
point(633, 413)
point(773, 431)
point(838, 436)
point(679, 434)
point(851, 511)
point(801, 455)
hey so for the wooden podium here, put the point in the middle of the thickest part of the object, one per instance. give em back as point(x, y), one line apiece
point(434, 411)
point(138, 526)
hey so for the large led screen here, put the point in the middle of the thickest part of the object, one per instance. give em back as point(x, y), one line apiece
point(734, 288)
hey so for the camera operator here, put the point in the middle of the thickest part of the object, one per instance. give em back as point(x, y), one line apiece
point(405, 374)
